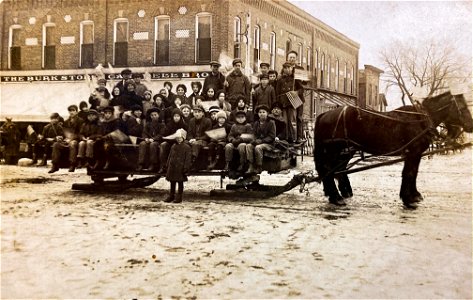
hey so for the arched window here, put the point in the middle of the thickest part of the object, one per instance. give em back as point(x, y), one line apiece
point(256, 48)
point(86, 44)
point(301, 53)
point(272, 50)
point(14, 45)
point(120, 42)
point(49, 46)
point(317, 67)
point(309, 60)
point(237, 37)
point(162, 35)
point(203, 38)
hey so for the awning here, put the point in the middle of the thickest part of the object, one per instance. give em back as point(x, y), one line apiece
point(336, 98)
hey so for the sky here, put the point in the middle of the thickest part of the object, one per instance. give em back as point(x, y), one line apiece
point(376, 24)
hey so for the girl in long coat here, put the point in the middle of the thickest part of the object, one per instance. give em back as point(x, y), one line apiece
point(179, 163)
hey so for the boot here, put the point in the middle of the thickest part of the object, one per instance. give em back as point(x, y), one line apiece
point(251, 169)
point(44, 162)
point(54, 168)
point(178, 198)
point(107, 165)
point(80, 162)
point(35, 159)
point(72, 167)
point(169, 198)
point(97, 165)
point(241, 166)
point(87, 163)
point(258, 169)
point(193, 166)
point(227, 166)
point(153, 167)
point(212, 164)
point(139, 168)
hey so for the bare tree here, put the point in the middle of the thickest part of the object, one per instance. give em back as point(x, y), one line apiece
point(427, 65)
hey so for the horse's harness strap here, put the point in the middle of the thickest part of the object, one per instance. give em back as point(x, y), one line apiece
point(342, 113)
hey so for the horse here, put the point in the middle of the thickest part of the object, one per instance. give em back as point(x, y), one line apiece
point(406, 131)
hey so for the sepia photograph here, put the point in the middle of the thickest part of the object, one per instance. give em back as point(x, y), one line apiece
point(236, 149)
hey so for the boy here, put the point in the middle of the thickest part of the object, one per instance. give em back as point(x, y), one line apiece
point(280, 121)
point(196, 88)
point(236, 142)
point(265, 133)
point(264, 93)
point(273, 76)
point(104, 144)
point(152, 137)
point(196, 136)
point(216, 146)
point(172, 126)
point(178, 167)
point(51, 133)
point(241, 106)
point(89, 132)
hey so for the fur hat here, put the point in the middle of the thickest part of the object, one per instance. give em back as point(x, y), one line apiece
point(152, 110)
point(240, 113)
point(221, 114)
point(148, 92)
point(176, 111)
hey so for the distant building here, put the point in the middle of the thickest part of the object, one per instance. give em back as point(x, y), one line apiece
point(368, 89)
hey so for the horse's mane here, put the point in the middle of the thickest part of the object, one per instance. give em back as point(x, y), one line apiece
point(434, 99)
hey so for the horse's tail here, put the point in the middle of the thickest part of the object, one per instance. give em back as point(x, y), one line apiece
point(316, 146)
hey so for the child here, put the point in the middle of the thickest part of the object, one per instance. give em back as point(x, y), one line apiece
point(134, 124)
point(265, 132)
point(196, 136)
point(169, 94)
point(51, 133)
point(178, 167)
point(152, 137)
point(235, 140)
point(223, 104)
point(167, 114)
point(181, 91)
point(210, 96)
point(83, 110)
point(186, 113)
point(213, 110)
point(216, 146)
point(147, 102)
point(172, 126)
point(280, 121)
point(105, 144)
point(89, 132)
point(241, 106)
point(196, 88)
point(273, 76)
point(264, 93)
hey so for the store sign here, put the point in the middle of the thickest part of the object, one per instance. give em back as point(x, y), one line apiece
point(81, 77)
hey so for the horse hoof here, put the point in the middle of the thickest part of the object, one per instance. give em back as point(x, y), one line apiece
point(410, 205)
point(347, 195)
point(418, 198)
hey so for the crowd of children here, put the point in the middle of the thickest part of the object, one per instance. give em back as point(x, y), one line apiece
point(225, 115)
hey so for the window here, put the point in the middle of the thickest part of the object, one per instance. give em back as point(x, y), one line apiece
point(86, 44)
point(237, 37)
point(376, 96)
point(316, 67)
point(345, 79)
point(120, 39)
point(49, 46)
point(203, 38)
point(309, 60)
point(370, 94)
point(329, 73)
point(256, 48)
point(14, 43)
point(288, 45)
point(352, 78)
point(300, 52)
point(272, 50)
point(337, 74)
point(322, 70)
point(162, 35)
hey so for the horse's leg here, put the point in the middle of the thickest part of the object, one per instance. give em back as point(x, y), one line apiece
point(324, 164)
point(409, 193)
point(344, 186)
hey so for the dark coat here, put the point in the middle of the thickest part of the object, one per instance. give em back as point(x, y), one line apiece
point(179, 162)
point(154, 130)
point(197, 128)
point(127, 100)
point(264, 96)
point(108, 126)
point(172, 127)
point(133, 127)
point(281, 126)
point(216, 81)
point(52, 131)
point(227, 127)
point(90, 130)
point(264, 132)
point(165, 115)
point(73, 126)
point(284, 85)
point(237, 129)
point(238, 84)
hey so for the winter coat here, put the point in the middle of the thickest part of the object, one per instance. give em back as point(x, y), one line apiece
point(134, 127)
point(197, 128)
point(165, 115)
point(265, 132)
point(179, 162)
point(249, 117)
point(172, 127)
point(227, 127)
point(52, 131)
point(154, 130)
point(238, 84)
point(264, 96)
point(107, 126)
point(127, 100)
point(73, 126)
point(284, 85)
point(213, 80)
point(90, 130)
point(237, 129)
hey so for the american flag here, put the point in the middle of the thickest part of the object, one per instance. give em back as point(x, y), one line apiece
point(294, 99)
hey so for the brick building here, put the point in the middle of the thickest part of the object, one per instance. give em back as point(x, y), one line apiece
point(56, 46)
point(369, 96)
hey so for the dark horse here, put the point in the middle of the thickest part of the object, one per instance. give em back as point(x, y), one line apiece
point(406, 131)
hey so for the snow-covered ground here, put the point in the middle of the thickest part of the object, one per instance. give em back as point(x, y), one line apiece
point(59, 243)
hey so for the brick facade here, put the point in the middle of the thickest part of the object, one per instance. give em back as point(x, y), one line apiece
point(369, 88)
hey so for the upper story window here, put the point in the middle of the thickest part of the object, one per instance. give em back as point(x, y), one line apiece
point(256, 48)
point(203, 43)
point(301, 53)
point(337, 74)
point(352, 79)
point(345, 76)
point(120, 42)
point(14, 44)
point(288, 45)
point(49, 46)
point(322, 70)
point(317, 67)
point(309, 60)
point(162, 34)
point(86, 44)
point(237, 37)
point(329, 72)
point(272, 50)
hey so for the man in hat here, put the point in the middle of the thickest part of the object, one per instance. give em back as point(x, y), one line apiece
point(264, 68)
point(140, 88)
point(126, 75)
point(215, 78)
point(196, 136)
point(265, 132)
point(105, 143)
point(152, 138)
point(89, 133)
point(285, 84)
point(70, 143)
point(279, 120)
point(10, 138)
point(237, 84)
point(51, 133)
point(292, 59)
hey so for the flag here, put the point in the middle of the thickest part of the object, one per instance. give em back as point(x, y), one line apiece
point(294, 99)
point(300, 74)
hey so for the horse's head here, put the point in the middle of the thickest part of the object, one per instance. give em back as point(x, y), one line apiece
point(459, 115)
